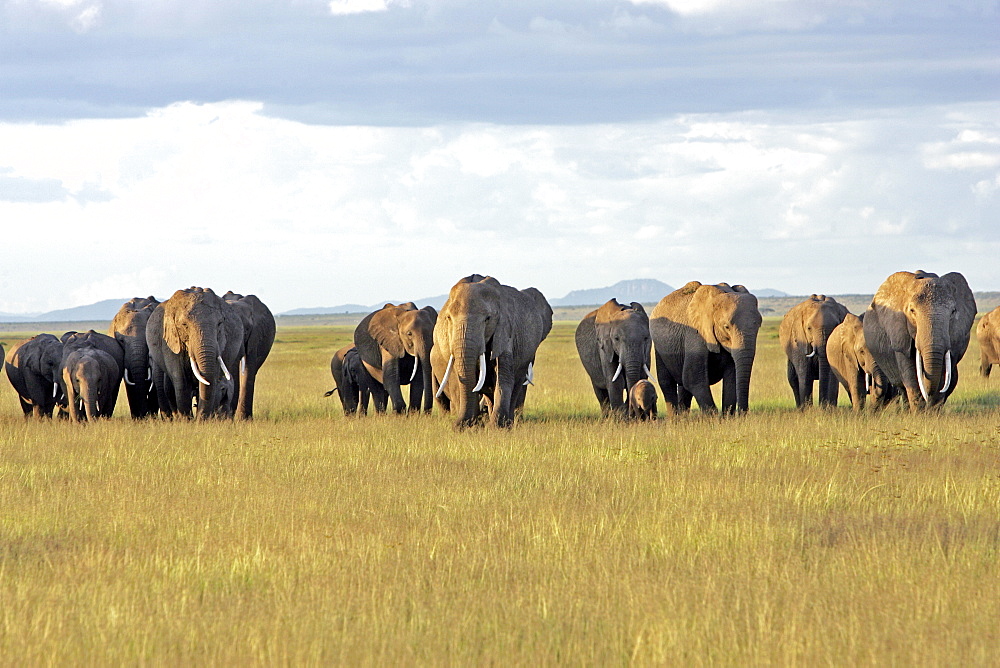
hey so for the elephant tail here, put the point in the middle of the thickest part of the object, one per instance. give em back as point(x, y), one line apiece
point(333, 391)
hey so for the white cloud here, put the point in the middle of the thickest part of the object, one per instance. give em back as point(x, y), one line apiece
point(345, 7)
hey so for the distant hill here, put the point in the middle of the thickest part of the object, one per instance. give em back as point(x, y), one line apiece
point(642, 290)
point(768, 292)
point(437, 302)
point(102, 310)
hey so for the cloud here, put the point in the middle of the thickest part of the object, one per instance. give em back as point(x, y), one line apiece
point(345, 7)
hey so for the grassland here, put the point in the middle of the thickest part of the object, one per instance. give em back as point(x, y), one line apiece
point(307, 538)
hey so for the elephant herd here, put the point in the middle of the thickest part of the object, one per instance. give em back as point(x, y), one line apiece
point(194, 355)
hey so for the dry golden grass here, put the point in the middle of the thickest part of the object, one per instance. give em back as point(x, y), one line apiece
point(308, 538)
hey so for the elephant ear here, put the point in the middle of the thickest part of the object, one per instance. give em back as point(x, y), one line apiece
point(171, 332)
point(431, 311)
point(702, 316)
point(377, 332)
point(965, 309)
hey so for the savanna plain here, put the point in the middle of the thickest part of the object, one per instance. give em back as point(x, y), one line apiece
point(816, 537)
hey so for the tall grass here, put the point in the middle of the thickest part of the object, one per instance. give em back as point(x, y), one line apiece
point(306, 537)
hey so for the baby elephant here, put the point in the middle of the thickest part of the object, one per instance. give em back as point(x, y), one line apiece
point(642, 401)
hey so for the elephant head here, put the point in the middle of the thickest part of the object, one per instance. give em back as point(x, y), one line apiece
point(395, 343)
point(804, 332)
point(129, 328)
point(204, 333)
point(918, 328)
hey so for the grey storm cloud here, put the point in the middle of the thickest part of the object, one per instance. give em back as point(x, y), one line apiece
point(421, 63)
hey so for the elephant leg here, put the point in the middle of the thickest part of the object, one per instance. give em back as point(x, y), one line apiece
point(243, 402)
point(416, 394)
point(502, 414)
point(390, 381)
point(380, 397)
point(668, 385)
point(684, 398)
point(695, 381)
point(793, 382)
point(603, 400)
point(26, 407)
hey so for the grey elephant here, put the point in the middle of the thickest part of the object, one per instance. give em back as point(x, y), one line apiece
point(642, 401)
point(258, 336)
point(90, 339)
point(803, 333)
point(33, 368)
point(988, 335)
point(195, 341)
point(395, 344)
point(91, 378)
point(614, 345)
point(353, 384)
point(485, 342)
point(917, 329)
point(703, 334)
point(853, 366)
point(129, 328)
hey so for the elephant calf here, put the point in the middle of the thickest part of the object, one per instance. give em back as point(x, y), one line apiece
point(642, 401)
point(91, 378)
point(354, 384)
point(988, 335)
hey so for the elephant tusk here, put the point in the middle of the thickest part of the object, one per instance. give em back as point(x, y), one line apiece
point(55, 390)
point(194, 368)
point(225, 371)
point(947, 371)
point(243, 365)
point(482, 373)
point(920, 374)
point(649, 374)
point(447, 373)
point(618, 372)
point(531, 375)
point(416, 363)
point(97, 405)
point(812, 353)
point(128, 381)
point(149, 374)
point(868, 383)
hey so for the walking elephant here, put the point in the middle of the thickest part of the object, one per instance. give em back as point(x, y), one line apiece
point(988, 335)
point(918, 328)
point(703, 334)
point(354, 384)
point(91, 378)
point(642, 401)
point(129, 328)
point(803, 334)
point(485, 342)
point(110, 346)
point(395, 344)
point(614, 345)
point(258, 336)
point(195, 338)
point(33, 370)
point(853, 366)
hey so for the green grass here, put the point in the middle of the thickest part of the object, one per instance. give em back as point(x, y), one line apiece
point(306, 537)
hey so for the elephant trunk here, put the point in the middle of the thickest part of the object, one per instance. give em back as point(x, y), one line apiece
point(930, 364)
point(743, 359)
point(827, 381)
point(426, 373)
point(467, 354)
point(206, 361)
point(137, 362)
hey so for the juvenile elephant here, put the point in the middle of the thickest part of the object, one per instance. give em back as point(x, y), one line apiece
point(33, 370)
point(95, 340)
point(258, 336)
point(485, 343)
point(354, 384)
point(195, 338)
point(703, 334)
point(395, 343)
point(91, 378)
point(614, 345)
point(642, 401)
point(988, 335)
point(129, 328)
point(803, 334)
point(853, 366)
point(917, 329)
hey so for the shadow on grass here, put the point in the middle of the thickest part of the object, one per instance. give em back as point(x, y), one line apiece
point(975, 403)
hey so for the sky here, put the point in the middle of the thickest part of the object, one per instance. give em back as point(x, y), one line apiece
point(320, 152)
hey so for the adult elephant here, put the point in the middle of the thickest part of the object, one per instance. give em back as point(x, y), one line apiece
point(129, 328)
point(614, 345)
point(803, 334)
point(88, 340)
point(703, 334)
point(353, 384)
point(195, 339)
point(33, 370)
point(918, 328)
point(395, 344)
point(854, 367)
point(988, 335)
point(91, 377)
point(485, 343)
point(258, 337)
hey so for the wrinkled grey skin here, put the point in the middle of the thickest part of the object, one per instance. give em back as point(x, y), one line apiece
point(258, 337)
point(703, 334)
point(853, 366)
point(481, 317)
point(803, 334)
point(90, 377)
point(988, 335)
point(614, 345)
point(195, 329)
point(95, 340)
point(33, 368)
point(354, 385)
point(395, 344)
point(129, 328)
point(926, 315)
point(642, 401)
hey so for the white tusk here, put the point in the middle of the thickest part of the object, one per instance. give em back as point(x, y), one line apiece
point(482, 373)
point(225, 371)
point(649, 374)
point(812, 353)
point(618, 372)
point(531, 375)
point(947, 371)
point(868, 383)
point(194, 368)
point(97, 405)
point(416, 362)
point(149, 374)
point(920, 374)
point(128, 381)
point(243, 365)
point(55, 390)
point(447, 373)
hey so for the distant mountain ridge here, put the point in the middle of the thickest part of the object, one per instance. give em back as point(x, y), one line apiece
point(642, 290)
point(102, 310)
